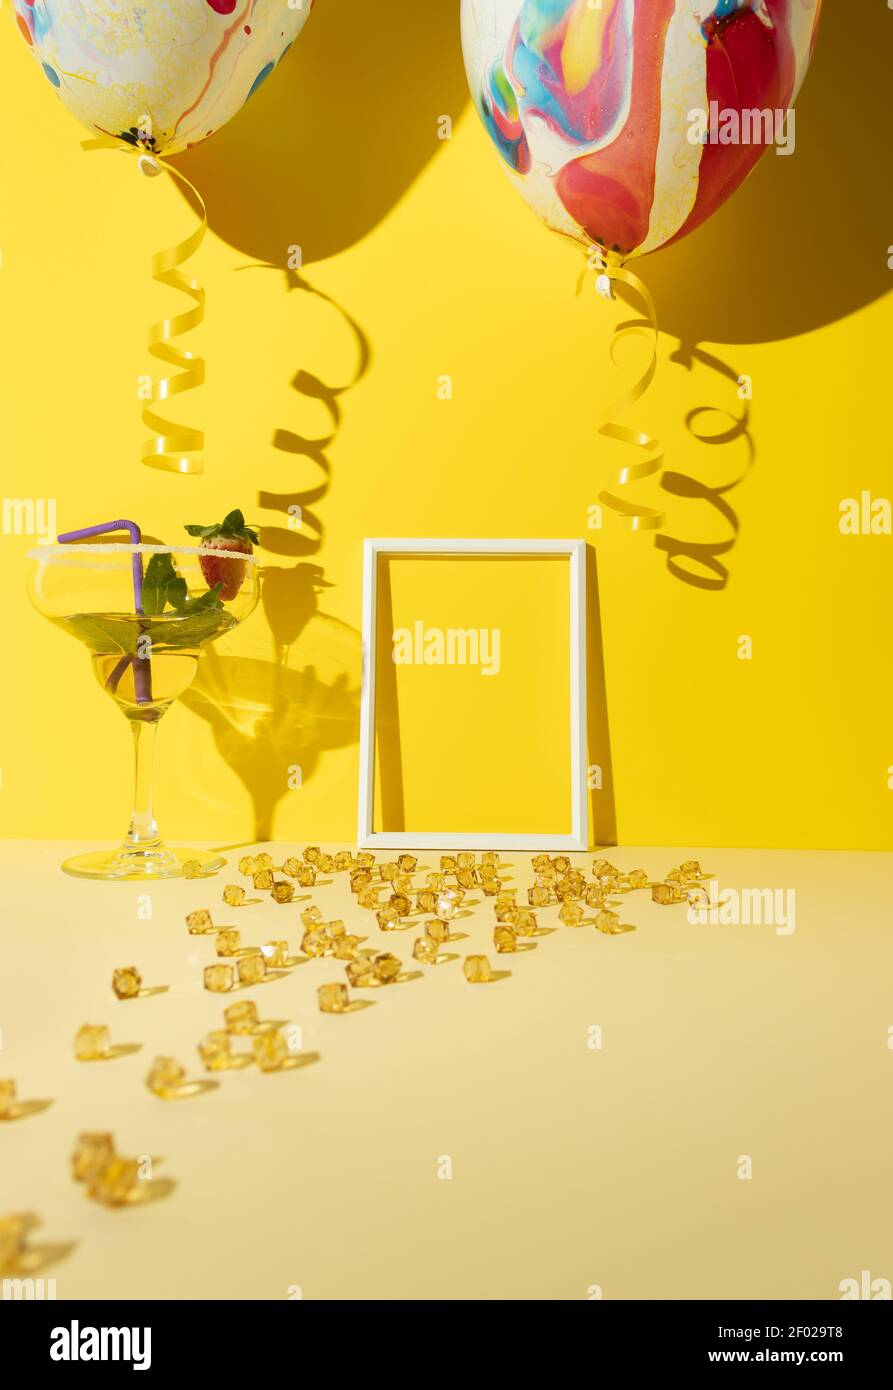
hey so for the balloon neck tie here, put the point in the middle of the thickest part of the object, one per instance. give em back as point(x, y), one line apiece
point(172, 448)
point(609, 271)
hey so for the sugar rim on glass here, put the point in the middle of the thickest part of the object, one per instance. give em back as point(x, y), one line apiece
point(59, 553)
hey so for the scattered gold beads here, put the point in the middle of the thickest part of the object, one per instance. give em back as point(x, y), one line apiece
point(360, 972)
point(386, 968)
point(14, 1233)
point(252, 968)
point(8, 1093)
point(215, 1051)
point(333, 999)
point(524, 922)
point(91, 1043)
point(346, 947)
point(386, 891)
point(477, 970)
point(446, 905)
point(165, 1078)
point(92, 1151)
point(241, 1018)
point(219, 978)
point(570, 913)
point(199, 922)
point(270, 1050)
point(426, 950)
point(666, 893)
point(315, 942)
point(615, 928)
point(115, 1184)
point(505, 940)
point(127, 982)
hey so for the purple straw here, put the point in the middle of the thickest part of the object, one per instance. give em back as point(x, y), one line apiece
point(136, 538)
point(142, 673)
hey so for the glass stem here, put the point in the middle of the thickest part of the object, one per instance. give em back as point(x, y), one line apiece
point(143, 832)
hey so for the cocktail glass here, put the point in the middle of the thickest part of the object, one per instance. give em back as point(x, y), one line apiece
point(145, 614)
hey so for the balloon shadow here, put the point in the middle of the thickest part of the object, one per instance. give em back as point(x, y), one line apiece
point(804, 241)
point(330, 144)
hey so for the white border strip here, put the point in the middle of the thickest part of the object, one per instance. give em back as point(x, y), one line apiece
point(579, 836)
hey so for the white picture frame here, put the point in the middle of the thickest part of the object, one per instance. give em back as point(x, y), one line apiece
point(578, 839)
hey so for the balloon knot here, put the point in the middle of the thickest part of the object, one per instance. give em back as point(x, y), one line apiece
point(604, 286)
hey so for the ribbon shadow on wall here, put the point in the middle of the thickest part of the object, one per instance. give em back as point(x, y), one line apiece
point(318, 158)
point(803, 243)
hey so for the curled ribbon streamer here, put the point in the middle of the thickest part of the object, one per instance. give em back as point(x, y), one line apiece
point(640, 517)
point(173, 448)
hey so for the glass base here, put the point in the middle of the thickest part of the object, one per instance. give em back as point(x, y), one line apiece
point(129, 864)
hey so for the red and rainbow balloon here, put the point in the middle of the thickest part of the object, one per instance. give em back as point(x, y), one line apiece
point(627, 123)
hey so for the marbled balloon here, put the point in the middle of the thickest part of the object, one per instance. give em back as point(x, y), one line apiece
point(161, 74)
point(594, 108)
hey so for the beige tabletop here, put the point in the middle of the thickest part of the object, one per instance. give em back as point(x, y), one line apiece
point(688, 1110)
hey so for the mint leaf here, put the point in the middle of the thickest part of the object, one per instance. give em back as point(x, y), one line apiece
point(112, 634)
point(104, 635)
point(162, 585)
point(210, 600)
point(194, 630)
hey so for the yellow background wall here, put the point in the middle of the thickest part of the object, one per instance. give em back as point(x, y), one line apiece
point(484, 772)
point(420, 262)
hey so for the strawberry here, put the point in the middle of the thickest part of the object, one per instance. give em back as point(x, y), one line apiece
point(231, 535)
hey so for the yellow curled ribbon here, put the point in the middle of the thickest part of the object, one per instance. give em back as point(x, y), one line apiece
point(640, 517)
point(172, 448)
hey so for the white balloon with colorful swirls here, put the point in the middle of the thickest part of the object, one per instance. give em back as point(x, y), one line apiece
point(163, 74)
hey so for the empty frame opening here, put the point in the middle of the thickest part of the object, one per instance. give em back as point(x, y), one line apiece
point(473, 706)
